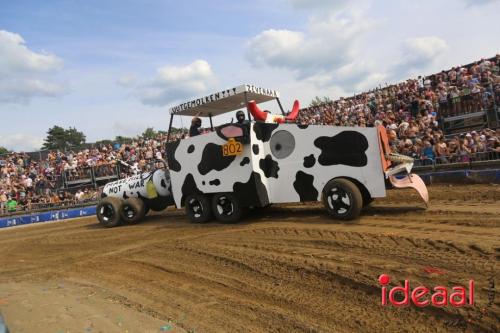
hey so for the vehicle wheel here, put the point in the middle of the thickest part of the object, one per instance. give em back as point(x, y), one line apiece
point(342, 199)
point(198, 208)
point(108, 212)
point(226, 208)
point(133, 210)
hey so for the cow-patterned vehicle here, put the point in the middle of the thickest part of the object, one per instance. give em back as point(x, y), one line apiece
point(270, 160)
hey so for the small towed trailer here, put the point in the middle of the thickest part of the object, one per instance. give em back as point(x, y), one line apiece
point(269, 159)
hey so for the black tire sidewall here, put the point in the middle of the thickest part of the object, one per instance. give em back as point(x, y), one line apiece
point(137, 206)
point(206, 213)
point(354, 194)
point(116, 205)
point(237, 209)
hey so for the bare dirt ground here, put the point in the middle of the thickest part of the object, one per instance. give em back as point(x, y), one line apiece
point(282, 269)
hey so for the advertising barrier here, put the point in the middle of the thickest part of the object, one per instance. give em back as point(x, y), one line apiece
point(47, 216)
point(491, 176)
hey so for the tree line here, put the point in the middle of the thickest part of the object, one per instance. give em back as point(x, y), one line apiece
point(64, 139)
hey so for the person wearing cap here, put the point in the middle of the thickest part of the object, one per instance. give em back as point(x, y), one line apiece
point(194, 130)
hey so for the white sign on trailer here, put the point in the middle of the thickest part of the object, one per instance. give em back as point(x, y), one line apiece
point(224, 94)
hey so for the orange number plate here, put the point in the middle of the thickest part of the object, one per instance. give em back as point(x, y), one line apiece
point(232, 148)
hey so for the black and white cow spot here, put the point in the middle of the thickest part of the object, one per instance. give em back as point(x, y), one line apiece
point(251, 193)
point(173, 164)
point(189, 187)
point(303, 184)
point(203, 182)
point(269, 166)
point(215, 182)
point(140, 196)
point(302, 126)
point(263, 131)
point(213, 159)
point(190, 149)
point(245, 161)
point(346, 148)
point(309, 161)
point(255, 149)
point(163, 184)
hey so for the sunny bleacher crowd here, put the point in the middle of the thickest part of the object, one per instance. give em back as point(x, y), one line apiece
point(411, 111)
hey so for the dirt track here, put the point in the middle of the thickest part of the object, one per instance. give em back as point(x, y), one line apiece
point(280, 270)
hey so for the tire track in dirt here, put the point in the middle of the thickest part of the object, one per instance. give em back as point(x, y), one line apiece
point(285, 269)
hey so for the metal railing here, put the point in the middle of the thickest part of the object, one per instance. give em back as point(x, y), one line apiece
point(457, 161)
point(90, 175)
point(49, 206)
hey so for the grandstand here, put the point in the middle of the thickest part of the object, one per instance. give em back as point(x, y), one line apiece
point(448, 119)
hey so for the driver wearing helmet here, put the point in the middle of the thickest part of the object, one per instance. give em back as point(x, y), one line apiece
point(240, 118)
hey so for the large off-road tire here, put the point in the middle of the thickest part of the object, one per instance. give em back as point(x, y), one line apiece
point(108, 212)
point(133, 210)
point(226, 208)
point(342, 199)
point(198, 208)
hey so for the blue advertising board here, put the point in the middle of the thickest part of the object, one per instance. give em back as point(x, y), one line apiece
point(46, 216)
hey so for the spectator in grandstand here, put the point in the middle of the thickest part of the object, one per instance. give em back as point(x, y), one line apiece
point(3, 201)
point(79, 195)
point(428, 153)
point(11, 205)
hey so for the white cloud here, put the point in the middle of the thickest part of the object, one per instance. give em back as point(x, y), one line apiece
point(471, 3)
point(127, 80)
point(176, 83)
point(21, 142)
point(325, 53)
point(318, 4)
point(25, 74)
point(418, 54)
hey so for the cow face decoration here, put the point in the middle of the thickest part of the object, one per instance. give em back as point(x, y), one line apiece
point(267, 117)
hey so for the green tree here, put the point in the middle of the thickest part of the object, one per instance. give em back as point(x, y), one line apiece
point(4, 151)
point(123, 140)
point(320, 100)
point(75, 138)
point(59, 138)
point(104, 142)
point(149, 133)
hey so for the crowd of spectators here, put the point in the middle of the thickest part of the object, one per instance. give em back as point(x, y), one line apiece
point(26, 184)
point(412, 112)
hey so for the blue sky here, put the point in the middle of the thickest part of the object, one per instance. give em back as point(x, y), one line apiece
point(114, 67)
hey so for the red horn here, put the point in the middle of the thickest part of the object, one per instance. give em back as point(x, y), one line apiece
point(295, 111)
point(256, 112)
